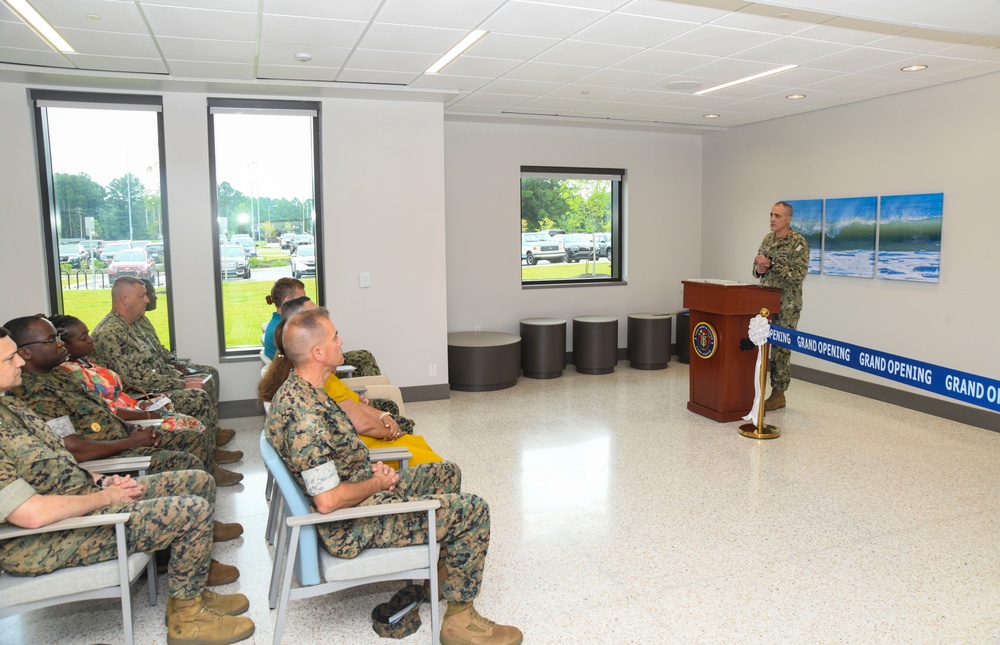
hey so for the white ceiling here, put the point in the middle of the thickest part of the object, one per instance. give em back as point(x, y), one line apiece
point(599, 61)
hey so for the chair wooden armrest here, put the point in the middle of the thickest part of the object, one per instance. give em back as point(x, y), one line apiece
point(10, 532)
point(116, 465)
point(356, 512)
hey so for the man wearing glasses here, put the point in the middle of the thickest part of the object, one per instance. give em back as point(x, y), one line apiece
point(782, 262)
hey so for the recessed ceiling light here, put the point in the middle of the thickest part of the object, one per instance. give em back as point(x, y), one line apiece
point(91, 16)
point(755, 77)
point(913, 68)
point(466, 43)
point(795, 97)
point(711, 116)
point(681, 85)
point(303, 57)
point(39, 24)
point(584, 92)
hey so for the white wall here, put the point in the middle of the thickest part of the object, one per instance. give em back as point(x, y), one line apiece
point(383, 183)
point(482, 171)
point(942, 139)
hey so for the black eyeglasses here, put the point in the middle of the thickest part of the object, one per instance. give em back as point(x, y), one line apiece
point(53, 340)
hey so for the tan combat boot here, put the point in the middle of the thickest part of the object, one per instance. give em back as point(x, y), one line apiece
point(224, 436)
point(221, 574)
point(225, 532)
point(190, 622)
point(776, 401)
point(224, 605)
point(466, 627)
point(225, 477)
point(227, 456)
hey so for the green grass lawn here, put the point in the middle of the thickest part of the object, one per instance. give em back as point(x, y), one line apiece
point(563, 271)
point(244, 309)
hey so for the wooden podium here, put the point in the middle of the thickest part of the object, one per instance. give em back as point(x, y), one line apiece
point(721, 374)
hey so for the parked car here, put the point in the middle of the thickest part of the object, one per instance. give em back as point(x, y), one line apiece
point(552, 232)
point(234, 261)
point(155, 251)
point(248, 245)
point(222, 239)
point(141, 244)
point(578, 246)
point(112, 248)
point(286, 240)
point(539, 246)
point(299, 240)
point(133, 262)
point(303, 261)
point(93, 247)
point(72, 254)
point(603, 243)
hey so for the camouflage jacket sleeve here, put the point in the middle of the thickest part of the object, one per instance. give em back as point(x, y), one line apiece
point(57, 394)
point(125, 350)
point(145, 325)
point(792, 260)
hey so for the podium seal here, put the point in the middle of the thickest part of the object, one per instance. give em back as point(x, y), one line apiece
point(704, 339)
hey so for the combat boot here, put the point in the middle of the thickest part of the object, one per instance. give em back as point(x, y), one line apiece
point(221, 574)
point(224, 436)
point(191, 622)
point(225, 477)
point(776, 401)
point(467, 627)
point(224, 605)
point(225, 532)
point(227, 456)
point(442, 574)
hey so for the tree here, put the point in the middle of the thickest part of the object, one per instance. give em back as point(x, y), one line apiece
point(542, 199)
point(123, 215)
point(76, 197)
point(589, 202)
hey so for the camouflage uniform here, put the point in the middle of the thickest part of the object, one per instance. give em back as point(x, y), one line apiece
point(363, 361)
point(789, 257)
point(153, 340)
point(385, 405)
point(175, 512)
point(320, 446)
point(57, 394)
point(125, 349)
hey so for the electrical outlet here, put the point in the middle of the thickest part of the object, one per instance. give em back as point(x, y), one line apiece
point(366, 280)
point(432, 369)
point(477, 328)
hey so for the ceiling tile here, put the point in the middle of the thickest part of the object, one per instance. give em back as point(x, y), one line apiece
point(660, 113)
point(456, 14)
point(693, 102)
point(530, 19)
point(493, 100)
point(935, 65)
point(114, 15)
point(111, 43)
point(41, 58)
point(201, 23)
point(353, 10)
point(841, 35)
point(476, 66)
point(716, 41)
point(791, 51)
point(404, 38)
point(577, 91)
point(511, 46)
point(662, 62)
point(857, 59)
point(193, 69)
point(730, 69)
point(520, 87)
point(852, 84)
point(446, 82)
point(284, 55)
point(372, 59)
point(758, 17)
point(641, 97)
point(532, 71)
point(220, 51)
point(904, 43)
point(20, 36)
point(375, 76)
point(702, 11)
point(311, 31)
point(895, 87)
point(573, 52)
point(297, 72)
point(625, 29)
point(972, 50)
point(118, 64)
point(620, 78)
point(959, 73)
point(551, 103)
point(224, 5)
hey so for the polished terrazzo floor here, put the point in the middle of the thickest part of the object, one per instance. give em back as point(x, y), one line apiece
point(620, 517)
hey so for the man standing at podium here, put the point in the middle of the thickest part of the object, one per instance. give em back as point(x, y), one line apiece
point(782, 262)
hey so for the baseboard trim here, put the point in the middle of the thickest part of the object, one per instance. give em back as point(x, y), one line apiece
point(426, 392)
point(910, 400)
point(241, 408)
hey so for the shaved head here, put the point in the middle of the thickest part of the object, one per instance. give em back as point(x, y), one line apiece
point(305, 331)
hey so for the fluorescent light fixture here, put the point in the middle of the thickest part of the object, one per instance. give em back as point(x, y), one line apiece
point(913, 68)
point(474, 37)
point(41, 27)
point(711, 116)
point(746, 80)
point(795, 97)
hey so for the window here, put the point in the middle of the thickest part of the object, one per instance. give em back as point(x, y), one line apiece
point(571, 225)
point(101, 169)
point(264, 163)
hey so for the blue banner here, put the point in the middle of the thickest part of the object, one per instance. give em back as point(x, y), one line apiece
point(962, 386)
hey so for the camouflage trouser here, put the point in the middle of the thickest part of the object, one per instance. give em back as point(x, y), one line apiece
point(165, 461)
point(385, 405)
point(363, 361)
point(212, 386)
point(197, 403)
point(781, 357)
point(463, 525)
point(176, 513)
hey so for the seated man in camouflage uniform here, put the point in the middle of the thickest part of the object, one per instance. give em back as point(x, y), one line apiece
point(94, 431)
point(120, 345)
point(323, 452)
point(41, 483)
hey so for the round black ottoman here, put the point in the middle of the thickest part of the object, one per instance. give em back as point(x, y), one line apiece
point(649, 340)
point(595, 344)
point(479, 361)
point(543, 347)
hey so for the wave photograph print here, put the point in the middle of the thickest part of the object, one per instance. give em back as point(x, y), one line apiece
point(807, 220)
point(909, 229)
point(849, 237)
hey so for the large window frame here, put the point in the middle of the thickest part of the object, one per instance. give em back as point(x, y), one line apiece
point(263, 107)
point(596, 271)
point(41, 101)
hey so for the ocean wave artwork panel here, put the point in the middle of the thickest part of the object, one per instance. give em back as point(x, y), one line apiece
point(807, 220)
point(909, 245)
point(849, 237)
